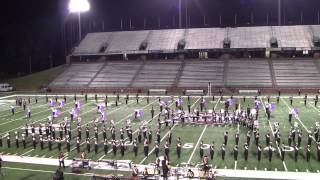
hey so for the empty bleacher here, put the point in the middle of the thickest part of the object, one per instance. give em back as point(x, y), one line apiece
point(293, 36)
point(250, 37)
point(199, 74)
point(157, 74)
point(204, 38)
point(77, 75)
point(165, 39)
point(93, 43)
point(116, 74)
point(242, 73)
point(296, 73)
point(126, 41)
point(248, 73)
point(197, 38)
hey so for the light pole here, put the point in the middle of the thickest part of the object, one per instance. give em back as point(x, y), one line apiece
point(180, 23)
point(79, 6)
point(279, 12)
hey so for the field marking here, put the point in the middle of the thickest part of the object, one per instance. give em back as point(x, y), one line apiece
point(132, 101)
point(204, 129)
point(44, 171)
point(39, 120)
point(32, 114)
point(195, 147)
point(26, 152)
point(110, 112)
point(134, 132)
point(166, 135)
point(119, 121)
point(238, 129)
point(312, 105)
point(283, 162)
point(160, 142)
point(296, 117)
point(90, 111)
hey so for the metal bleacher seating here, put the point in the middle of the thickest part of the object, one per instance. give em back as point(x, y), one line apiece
point(198, 74)
point(116, 74)
point(77, 75)
point(196, 38)
point(250, 37)
point(204, 38)
point(296, 73)
point(126, 41)
point(157, 74)
point(249, 73)
point(165, 39)
point(93, 43)
point(293, 36)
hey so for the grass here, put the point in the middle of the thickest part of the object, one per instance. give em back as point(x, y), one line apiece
point(190, 134)
point(36, 81)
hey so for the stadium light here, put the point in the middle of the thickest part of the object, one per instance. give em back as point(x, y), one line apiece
point(79, 6)
point(76, 6)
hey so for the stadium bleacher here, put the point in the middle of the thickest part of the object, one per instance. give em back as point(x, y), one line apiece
point(250, 37)
point(165, 39)
point(93, 43)
point(116, 74)
point(165, 74)
point(296, 73)
point(204, 38)
point(157, 74)
point(197, 38)
point(126, 41)
point(198, 74)
point(293, 36)
point(248, 73)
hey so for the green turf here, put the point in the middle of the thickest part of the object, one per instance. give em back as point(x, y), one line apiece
point(36, 81)
point(188, 133)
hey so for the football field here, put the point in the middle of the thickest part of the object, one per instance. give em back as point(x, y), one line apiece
point(191, 134)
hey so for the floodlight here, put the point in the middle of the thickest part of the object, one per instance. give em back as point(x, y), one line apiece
point(79, 6)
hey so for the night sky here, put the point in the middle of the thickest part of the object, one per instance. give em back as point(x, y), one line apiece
point(43, 32)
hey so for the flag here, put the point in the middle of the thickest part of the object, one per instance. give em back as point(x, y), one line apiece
point(52, 103)
point(231, 101)
point(179, 102)
point(74, 112)
point(103, 116)
point(80, 104)
point(62, 103)
point(273, 107)
point(140, 113)
point(101, 108)
point(57, 113)
point(296, 112)
point(163, 103)
point(258, 104)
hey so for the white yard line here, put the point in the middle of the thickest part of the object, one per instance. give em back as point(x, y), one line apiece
point(166, 134)
point(312, 105)
point(195, 147)
point(204, 129)
point(238, 129)
point(93, 110)
point(296, 117)
point(27, 152)
point(51, 172)
point(21, 118)
point(47, 118)
point(119, 121)
point(160, 141)
point(264, 107)
point(137, 130)
point(110, 112)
